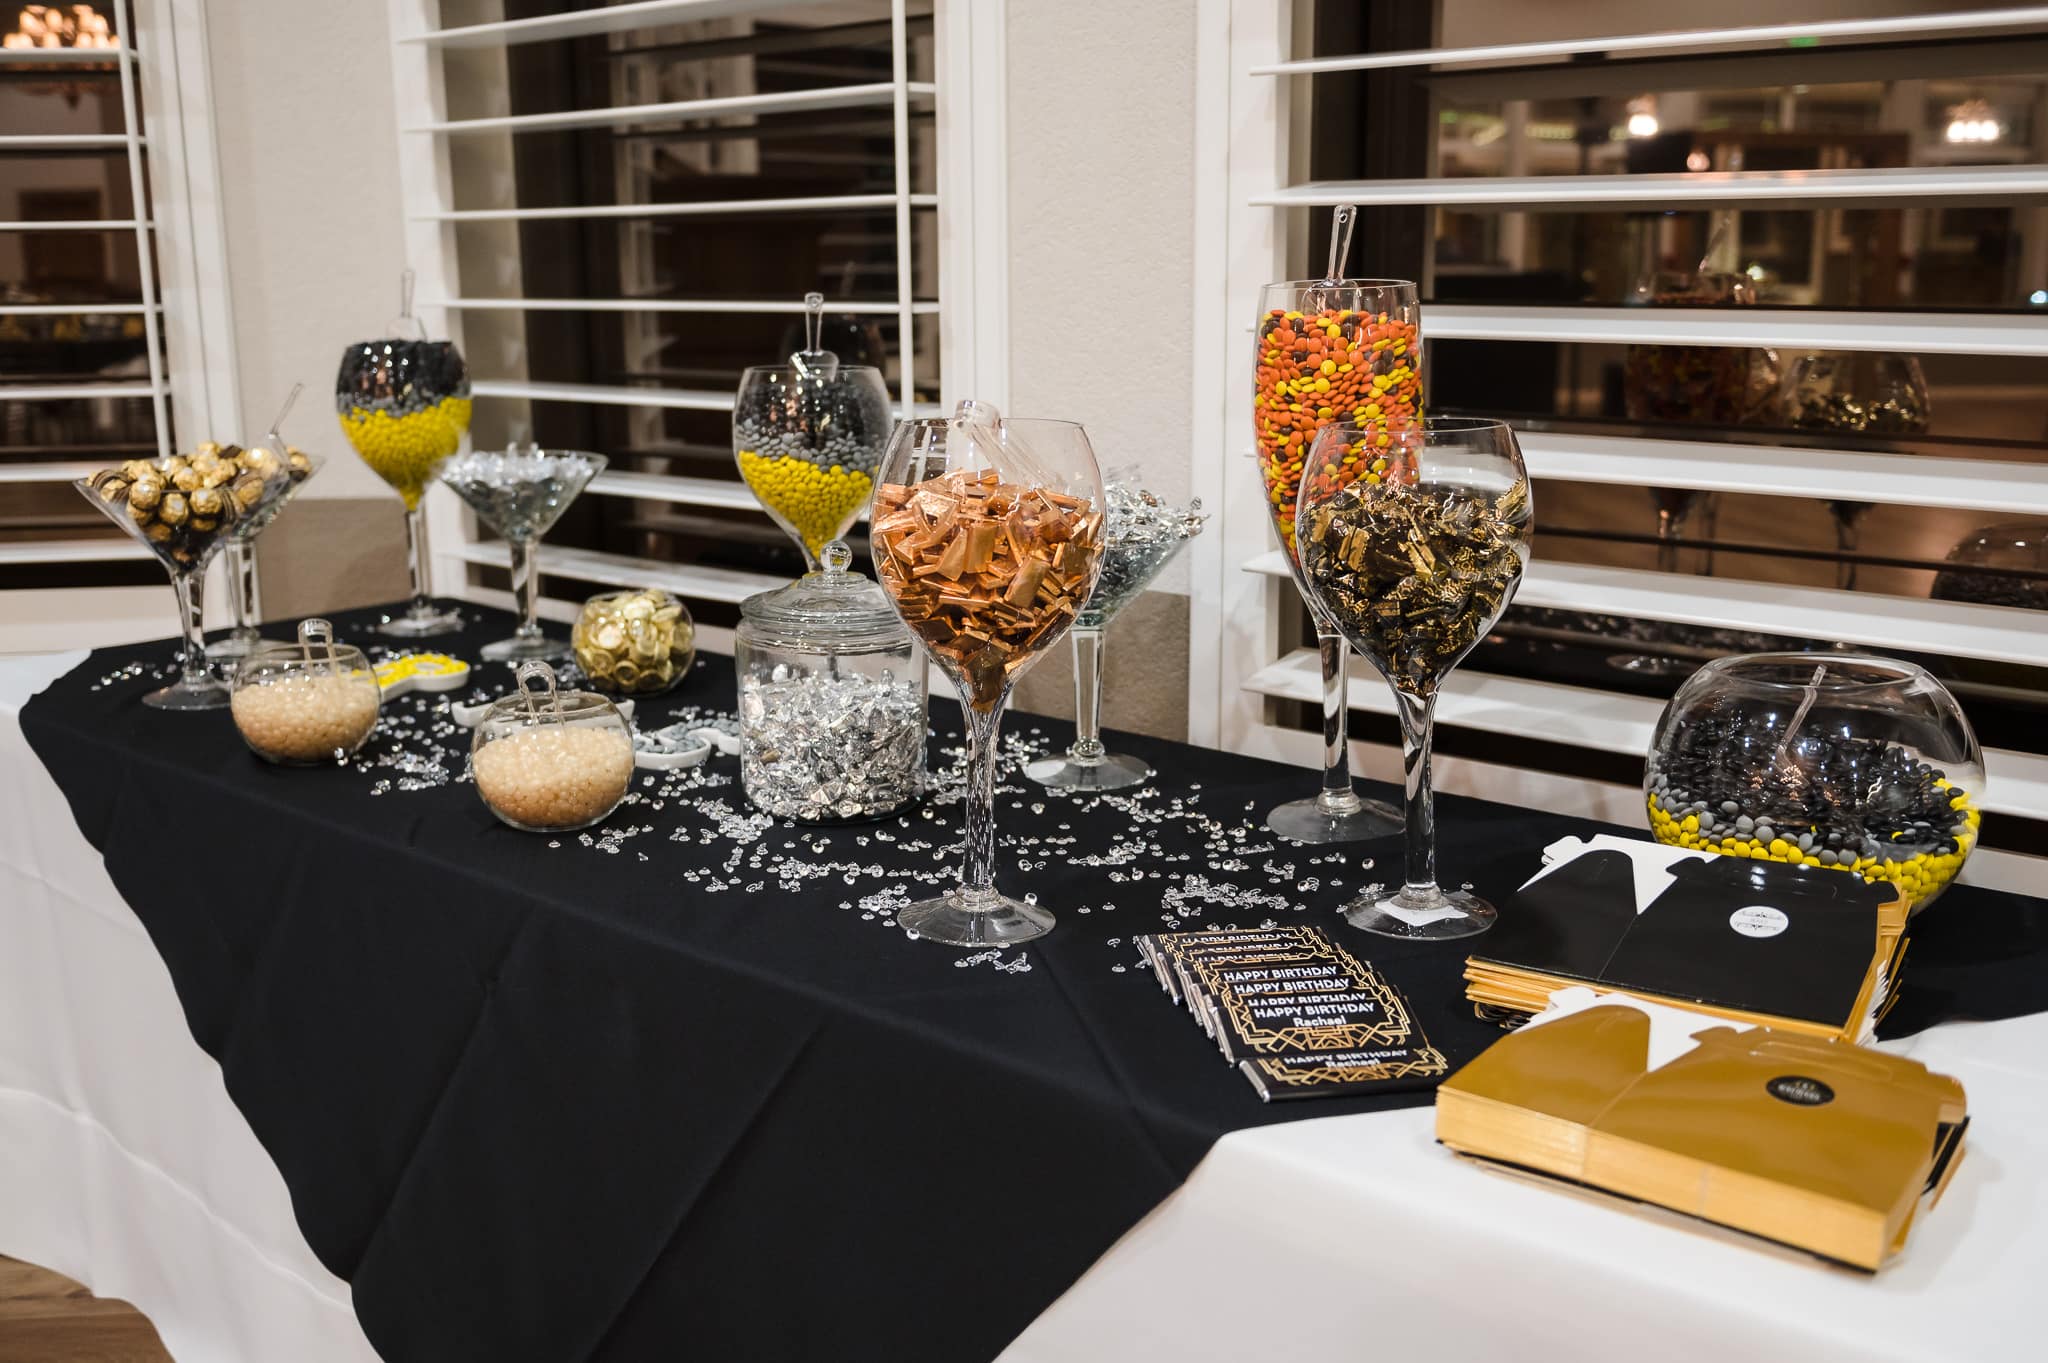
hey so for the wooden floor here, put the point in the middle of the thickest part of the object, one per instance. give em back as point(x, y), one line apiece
point(46, 1318)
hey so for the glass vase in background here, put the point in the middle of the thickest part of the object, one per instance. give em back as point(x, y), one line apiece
point(1142, 534)
point(404, 404)
point(1855, 393)
point(520, 493)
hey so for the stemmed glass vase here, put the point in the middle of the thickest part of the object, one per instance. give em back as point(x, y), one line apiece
point(1342, 350)
point(1413, 549)
point(987, 536)
point(180, 509)
point(808, 436)
point(404, 404)
point(1142, 535)
point(520, 493)
point(277, 471)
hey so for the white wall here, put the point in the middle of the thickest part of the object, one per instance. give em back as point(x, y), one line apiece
point(315, 236)
point(1101, 114)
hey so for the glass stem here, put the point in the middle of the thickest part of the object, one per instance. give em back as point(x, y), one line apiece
point(1087, 749)
point(526, 585)
point(192, 656)
point(1667, 540)
point(241, 555)
point(1337, 797)
point(1418, 722)
point(416, 556)
point(1846, 538)
point(978, 863)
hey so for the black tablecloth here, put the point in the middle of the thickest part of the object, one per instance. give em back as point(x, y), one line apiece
point(677, 1087)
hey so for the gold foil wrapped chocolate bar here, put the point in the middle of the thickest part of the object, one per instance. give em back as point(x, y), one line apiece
point(1422, 574)
point(985, 571)
point(637, 643)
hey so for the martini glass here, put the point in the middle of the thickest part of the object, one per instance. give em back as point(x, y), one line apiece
point(1331, 350)
point(1142, 533)
point(180, 509)
point(1413, 549)
point(275, 472)
point(808, 436)
point(987, 536)
point(403, 401)
point(520, 493)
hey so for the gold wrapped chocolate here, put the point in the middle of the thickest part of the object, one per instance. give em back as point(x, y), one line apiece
point(145, 492)
point(206, 501)
point(634, 642)
point(185, 479)
point(174, 509)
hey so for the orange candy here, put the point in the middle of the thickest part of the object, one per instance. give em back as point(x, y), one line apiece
point(1334, 366)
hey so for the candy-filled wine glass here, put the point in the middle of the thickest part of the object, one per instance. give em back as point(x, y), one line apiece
point(1141, 534)
point(1414, 548)
point(179, 508)
point(403, 402)
point(1331, 350)
point(272, 473)
point(987, 536)
point(808, 436)
point(520, 493)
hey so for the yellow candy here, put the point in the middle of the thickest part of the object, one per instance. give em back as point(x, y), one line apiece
point(817, 503)
point(405, 450)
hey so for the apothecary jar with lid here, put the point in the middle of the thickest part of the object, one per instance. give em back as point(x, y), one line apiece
point(1836, 760)
point(831, 699)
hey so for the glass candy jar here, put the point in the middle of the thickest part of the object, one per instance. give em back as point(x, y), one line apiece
point(1840, 760)
point(634, 643)
point(547, 760)
point(832, 699)
point(2000, 565)
point(300, 705)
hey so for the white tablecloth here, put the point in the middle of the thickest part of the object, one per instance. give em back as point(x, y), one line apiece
point(124, 1165)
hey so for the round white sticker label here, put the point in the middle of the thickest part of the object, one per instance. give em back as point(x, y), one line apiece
point(1758, 920)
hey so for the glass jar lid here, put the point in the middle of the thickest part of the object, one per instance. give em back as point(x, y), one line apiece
point(831, 610)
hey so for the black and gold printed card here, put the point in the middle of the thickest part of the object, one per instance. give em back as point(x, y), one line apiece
point(1297, 1014)
point(1331, 1074)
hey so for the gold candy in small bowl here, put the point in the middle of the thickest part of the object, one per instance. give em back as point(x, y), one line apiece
point(634, 643)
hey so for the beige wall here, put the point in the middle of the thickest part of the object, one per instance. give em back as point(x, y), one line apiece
point(307, 134)
point(1101, 109)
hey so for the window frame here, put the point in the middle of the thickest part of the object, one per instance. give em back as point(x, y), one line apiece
point(188, 312)
point(972, 213)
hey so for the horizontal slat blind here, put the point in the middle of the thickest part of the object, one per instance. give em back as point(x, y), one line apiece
point(699, 488)
point(1754, 462)
point(47, 526)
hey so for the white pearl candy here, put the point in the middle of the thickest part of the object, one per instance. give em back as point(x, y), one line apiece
point(554, 776)
point(306, 717)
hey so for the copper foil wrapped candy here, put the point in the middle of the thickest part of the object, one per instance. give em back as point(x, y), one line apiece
point(634, 643)
point(985, 571)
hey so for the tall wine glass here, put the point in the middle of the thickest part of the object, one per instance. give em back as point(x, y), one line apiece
point(520, 493)
point(274, 471)
point(1331, 350)
point(1414, 548)
point(1141, 535)
point(987, 535)
point(404, 402)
